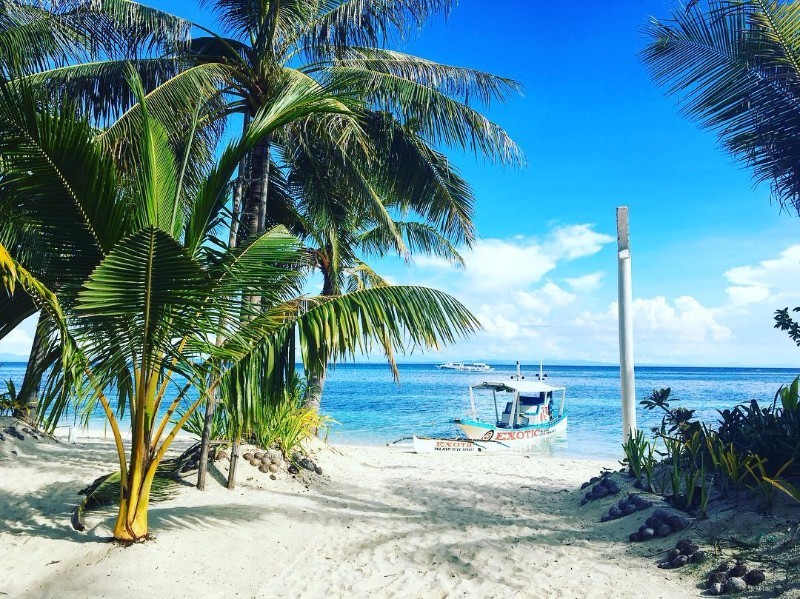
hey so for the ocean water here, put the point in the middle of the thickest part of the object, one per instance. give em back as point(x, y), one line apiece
point(368, 407)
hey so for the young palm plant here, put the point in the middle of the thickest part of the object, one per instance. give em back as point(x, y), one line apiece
point(162, 287)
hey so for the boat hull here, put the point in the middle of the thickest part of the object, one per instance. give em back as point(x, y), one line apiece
point(513, 437)
point(433, 445)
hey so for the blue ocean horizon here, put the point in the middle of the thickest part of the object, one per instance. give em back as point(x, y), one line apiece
point(369, 408)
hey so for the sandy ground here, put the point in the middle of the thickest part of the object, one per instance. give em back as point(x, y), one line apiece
point(379, 522)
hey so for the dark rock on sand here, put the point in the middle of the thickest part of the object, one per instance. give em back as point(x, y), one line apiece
point(738, 571)
point(646, 533)
point(672, 554)
point(635, 537)
point(664, 530)
point(678, 522)
point(683, 544)
point(690, 550)
point(293, 469)
point(718, 578)
point(680, 561)
point(698, 557)
point(755, 577)
point(273, 477)
point(716, 589)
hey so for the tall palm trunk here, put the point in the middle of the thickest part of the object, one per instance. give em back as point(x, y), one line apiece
point(254, 220)
point(255, 202)
point(316, 379)
point(211, 404)
point(34, 371)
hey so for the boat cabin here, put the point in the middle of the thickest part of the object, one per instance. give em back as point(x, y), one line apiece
point(526, 403)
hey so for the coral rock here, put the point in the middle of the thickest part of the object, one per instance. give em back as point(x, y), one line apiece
point(680, 561)
point(263, 468)
point(255, 462)
point(738, 571)
point(690, 549)
point(272, 468)
point(259, 455)
point(698, 557)
point(248, 456)
point(672, 554)
point(755, 577)
point(717, 578)
point(735, 585)
point(664, 530)
point(678, 522)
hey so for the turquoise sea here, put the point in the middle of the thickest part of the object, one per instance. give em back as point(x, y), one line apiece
point(370, 408)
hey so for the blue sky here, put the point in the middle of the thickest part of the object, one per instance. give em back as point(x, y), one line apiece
point(712, 256)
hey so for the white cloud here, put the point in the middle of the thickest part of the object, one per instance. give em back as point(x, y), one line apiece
point(19, 340)
point(586, 283)
point(524, 311)
point(776, 279)
point(577, 241)
point(516, 263)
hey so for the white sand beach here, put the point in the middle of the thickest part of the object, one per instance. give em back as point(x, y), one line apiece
point(379, 522)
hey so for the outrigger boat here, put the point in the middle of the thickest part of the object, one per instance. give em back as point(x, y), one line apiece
point(535, 412)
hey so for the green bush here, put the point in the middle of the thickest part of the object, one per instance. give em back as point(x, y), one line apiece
point(10, 403)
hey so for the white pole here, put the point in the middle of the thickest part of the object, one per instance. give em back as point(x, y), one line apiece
point(625, 325)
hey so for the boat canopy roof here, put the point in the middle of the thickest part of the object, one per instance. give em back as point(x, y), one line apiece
point(520, 386)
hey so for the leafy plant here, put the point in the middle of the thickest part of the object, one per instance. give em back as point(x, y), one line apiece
point(10, 403)
point(789, 396)
point(674, 420)
point(639, 456)
point(732, 465)
point(786, 487)
point(763, 481)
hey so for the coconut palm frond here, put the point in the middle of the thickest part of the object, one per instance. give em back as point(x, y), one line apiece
point(420, 238)
point(458, 82)
point(344, 23)
point(432, 113)
point(736, 68)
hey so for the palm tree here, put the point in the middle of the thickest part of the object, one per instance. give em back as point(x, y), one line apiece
point(343, 232)
point(144, 315)
point(735, 67)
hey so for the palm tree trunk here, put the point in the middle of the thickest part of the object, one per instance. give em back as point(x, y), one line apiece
point(34, 371)
point(211, 404)
point(316, 380)
point(314, 389)
point(255, 202)
point(234, 462)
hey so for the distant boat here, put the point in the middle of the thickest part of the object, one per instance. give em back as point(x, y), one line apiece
point(466, 366)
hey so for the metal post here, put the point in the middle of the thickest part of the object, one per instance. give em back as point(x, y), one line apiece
point(625, 325)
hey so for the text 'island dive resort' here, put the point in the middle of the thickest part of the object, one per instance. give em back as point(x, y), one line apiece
point(399, 298)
